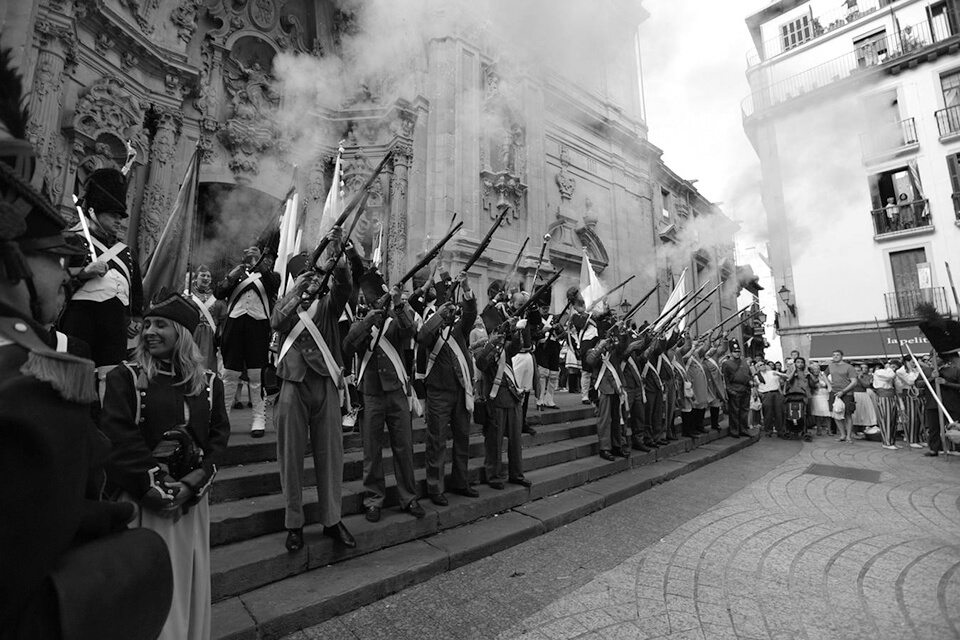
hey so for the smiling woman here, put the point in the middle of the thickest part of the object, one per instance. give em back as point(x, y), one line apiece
point(165, 415)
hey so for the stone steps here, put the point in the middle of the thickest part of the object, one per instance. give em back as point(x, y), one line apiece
point(264, 592)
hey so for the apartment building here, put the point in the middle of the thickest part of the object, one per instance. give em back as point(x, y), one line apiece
point(855, 116)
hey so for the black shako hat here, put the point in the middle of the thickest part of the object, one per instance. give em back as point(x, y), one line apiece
point(173, 306)
point(105, 191)
point(943, 333)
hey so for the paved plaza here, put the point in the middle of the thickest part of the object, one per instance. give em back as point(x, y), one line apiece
point(758, 545)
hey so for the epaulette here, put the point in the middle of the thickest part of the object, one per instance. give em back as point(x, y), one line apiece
point(72, 377)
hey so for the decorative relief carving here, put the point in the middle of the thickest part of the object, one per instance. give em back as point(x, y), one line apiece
point(263, 14)
point(250, 131)
point(48, 32)
point(503, 152)
point(564, 179)
point(185, 18)
point(129, 60)
point(156, 204)
point(107, 106)
point(103, 43)
point(167, 126)
point(142, 11)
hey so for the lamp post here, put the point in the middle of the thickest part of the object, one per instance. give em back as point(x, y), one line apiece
point(784, 294)
point(624, 308)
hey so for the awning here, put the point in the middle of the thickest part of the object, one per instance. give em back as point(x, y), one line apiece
point(864, 345)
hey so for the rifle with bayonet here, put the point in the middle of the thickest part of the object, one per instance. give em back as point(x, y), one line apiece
point(515, 266)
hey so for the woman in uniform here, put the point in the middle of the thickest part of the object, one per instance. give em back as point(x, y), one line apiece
point(164, 413)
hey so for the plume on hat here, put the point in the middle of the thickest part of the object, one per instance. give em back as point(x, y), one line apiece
point(943, 333)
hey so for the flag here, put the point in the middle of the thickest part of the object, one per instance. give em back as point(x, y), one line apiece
point(378, 250)
point(679, 291)
point(288, 238)
point(590, 286)
point(168, 263)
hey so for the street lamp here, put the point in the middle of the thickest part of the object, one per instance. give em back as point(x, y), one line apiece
point(784, 294)
point(624, 308)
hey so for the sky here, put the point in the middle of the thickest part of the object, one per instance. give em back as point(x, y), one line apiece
point(693, 55)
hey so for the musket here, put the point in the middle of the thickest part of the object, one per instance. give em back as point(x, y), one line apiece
point(697, 317)
point(515, 266)
point(744, 319)
point(430, 255)
point(358, 201)
point(480, 248)
point(537, 294)
point(728, 319)
point(543, 248)
point(633, 310)
point(324, 242)
point(604, 296)
point(679, 303)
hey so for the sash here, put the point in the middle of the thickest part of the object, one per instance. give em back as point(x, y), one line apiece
point(606, 366)
point(112, 256)
point(347, 315)
point(205, 309)
point(502, 370)
point(306, 322)
point(582, 332)
point(461, 360)
point(252, 279)
point(636, 371)
point(649, 367)
point(61, 342)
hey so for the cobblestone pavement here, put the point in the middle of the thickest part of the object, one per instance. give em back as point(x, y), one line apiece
point(794, 555)
point(751, 546)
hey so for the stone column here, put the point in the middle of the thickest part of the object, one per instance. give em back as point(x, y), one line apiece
point(156, 195)
point(397, 228)
point(56, 49)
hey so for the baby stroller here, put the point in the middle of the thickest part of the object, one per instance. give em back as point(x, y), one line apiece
point(795, 417)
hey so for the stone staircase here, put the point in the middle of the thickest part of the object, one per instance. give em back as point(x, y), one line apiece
point(262, 591)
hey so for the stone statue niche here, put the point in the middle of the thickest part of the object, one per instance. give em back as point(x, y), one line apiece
point(249, 129)
point(503, 151)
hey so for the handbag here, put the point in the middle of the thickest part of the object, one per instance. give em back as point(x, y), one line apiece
point(755, 404)
point(480, 412)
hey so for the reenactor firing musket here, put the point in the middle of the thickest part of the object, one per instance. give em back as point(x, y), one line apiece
point(534, 298)
point(480, 249)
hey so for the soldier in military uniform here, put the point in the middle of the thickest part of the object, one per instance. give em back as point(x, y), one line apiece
point(106, 304)
point(249, 290)
point(69, 568)
point(449, 390)
point(310, 364)
point(385, 385)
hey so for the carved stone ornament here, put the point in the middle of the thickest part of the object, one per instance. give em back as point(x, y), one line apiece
point(185, 18)
point(47, 32)
point(263, 13)
point(503, 190)
point(263, 16)
point(103, 43)
point(166, 131)
point(129, 60)
point(142, 11)
point(250, 131)
point(106, 106)
point(564, 179)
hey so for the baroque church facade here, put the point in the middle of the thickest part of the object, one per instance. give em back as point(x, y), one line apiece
point(472, 130)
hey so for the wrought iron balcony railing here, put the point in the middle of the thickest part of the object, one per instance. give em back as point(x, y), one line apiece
point(888, 138)
point(901, 217)
point(902, 305)
point(909, 40)
point(948, 121)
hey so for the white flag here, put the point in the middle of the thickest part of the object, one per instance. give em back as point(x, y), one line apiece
point(590, 286)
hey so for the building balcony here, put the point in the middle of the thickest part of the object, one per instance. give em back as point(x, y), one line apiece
point(904, 46)
point(903, 219)
point(948, 123)
point(810, 29)
point(902, 305)
point(889, 140)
